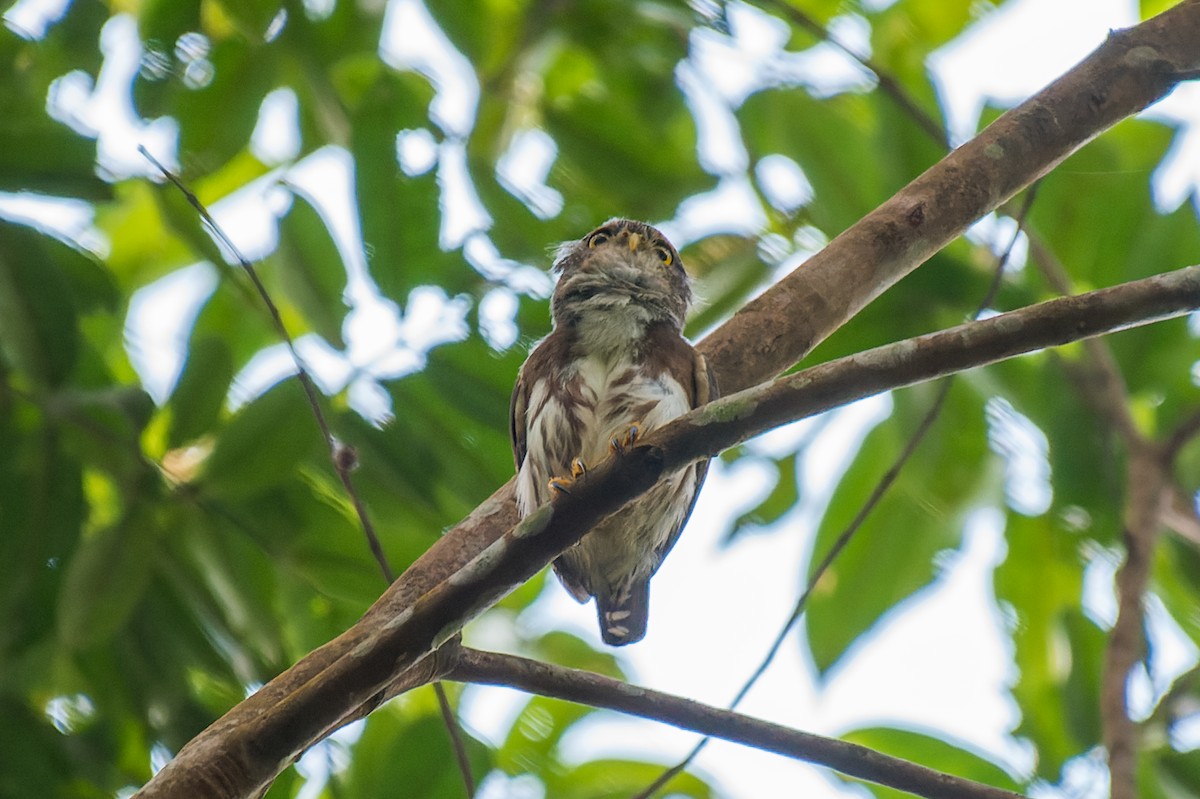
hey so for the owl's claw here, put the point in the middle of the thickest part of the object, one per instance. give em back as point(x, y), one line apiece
point(562, 485)
point(618, 444)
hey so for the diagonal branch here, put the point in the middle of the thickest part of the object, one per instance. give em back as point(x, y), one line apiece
point(587, 688)
point(246, 748)
point(387, 644)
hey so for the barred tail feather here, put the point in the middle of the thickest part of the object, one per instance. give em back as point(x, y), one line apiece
point(623, 618)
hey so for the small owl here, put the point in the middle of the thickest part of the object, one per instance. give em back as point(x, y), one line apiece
point(615, 367)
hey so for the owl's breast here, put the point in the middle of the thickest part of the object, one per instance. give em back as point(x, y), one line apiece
point(577, 412)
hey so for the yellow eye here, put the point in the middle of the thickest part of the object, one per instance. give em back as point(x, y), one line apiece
point(664, 255)
point(597, 238)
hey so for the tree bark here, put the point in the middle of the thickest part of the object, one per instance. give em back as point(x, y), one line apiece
point(243, 751)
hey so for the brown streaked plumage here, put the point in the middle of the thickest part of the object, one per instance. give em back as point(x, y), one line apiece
point(616, 359)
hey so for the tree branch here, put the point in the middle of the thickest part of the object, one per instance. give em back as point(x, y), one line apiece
point(1146, 484)
point(386, 644)
point(587, 688)
point(246, 748)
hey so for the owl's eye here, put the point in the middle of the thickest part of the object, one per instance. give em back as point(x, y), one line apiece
point(664, 255)
point(597, 238)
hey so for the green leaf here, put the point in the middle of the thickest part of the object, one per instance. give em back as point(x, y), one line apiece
point(414, 753)
point(1086, 475)
point(48, 158)
point(783, 498)
point(264, 443)
point(893, 553)
point(946, 756)
point(105, 580)
point(38, 331)
point(532, 743)
point(42, 510)
point(311, 272)
point(611, 779)
point(1058, 650)
point(595, 105)
point(842, 190)
point(253, 17)
point(198, 396)
point(399, 213)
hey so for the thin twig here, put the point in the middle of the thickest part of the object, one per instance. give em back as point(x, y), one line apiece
point(596, 690)
point(877, 493)
point(889, 84)
point(344, 458)
point(452, 727)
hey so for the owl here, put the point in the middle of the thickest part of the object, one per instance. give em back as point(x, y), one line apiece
point(615, 366)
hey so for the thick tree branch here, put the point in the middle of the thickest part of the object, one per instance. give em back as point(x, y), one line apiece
point(1132, 69)
point(247, 747)
point(599, 691)
point(389, 644)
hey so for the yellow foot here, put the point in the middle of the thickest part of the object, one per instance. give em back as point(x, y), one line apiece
point(618, 444)
point(562, 485)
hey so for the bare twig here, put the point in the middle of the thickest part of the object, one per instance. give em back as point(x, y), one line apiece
point(877, 494)
point(1145, 494)
point(343, 457)
point(456, 739)
point(887, 82)
point(597, 690)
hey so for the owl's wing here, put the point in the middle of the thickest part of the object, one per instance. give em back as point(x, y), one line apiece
point(704, 389)
point(516, 418)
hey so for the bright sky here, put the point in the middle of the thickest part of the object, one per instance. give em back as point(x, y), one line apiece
point(938, 662)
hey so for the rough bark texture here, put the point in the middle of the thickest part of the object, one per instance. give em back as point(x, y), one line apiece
point(244, 750)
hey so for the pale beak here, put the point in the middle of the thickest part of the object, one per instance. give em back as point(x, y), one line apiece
point(634, 240)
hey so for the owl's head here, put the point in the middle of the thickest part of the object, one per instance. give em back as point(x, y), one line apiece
point(620, 264)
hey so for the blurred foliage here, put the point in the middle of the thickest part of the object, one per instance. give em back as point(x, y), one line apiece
point(160, 558)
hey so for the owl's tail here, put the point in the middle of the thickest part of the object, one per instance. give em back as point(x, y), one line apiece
point(623, 618)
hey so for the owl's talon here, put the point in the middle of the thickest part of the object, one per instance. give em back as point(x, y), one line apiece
point(618, 444)
point(562, 485)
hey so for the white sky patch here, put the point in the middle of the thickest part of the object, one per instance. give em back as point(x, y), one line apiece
point(783, 182)
point(1176, 178)
point(1025, 451)
point(979, 65)
point(1099, 598)
point(481, 253)
point(411, 39)
point(416, 151)
point(937, 653)
point(731, 207)
point(270, 365)
point(106, 110)
point(159, 322)
point(66, 219)
point(523, 170)
point(276, 136)
point(497, 313)
point(719, 145)
point(996, 233)
point(462, 211)
point(31, 18)
point(1172, 654)
point(248, 217)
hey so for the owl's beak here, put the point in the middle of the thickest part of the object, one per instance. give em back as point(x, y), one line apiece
point(634, 240)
